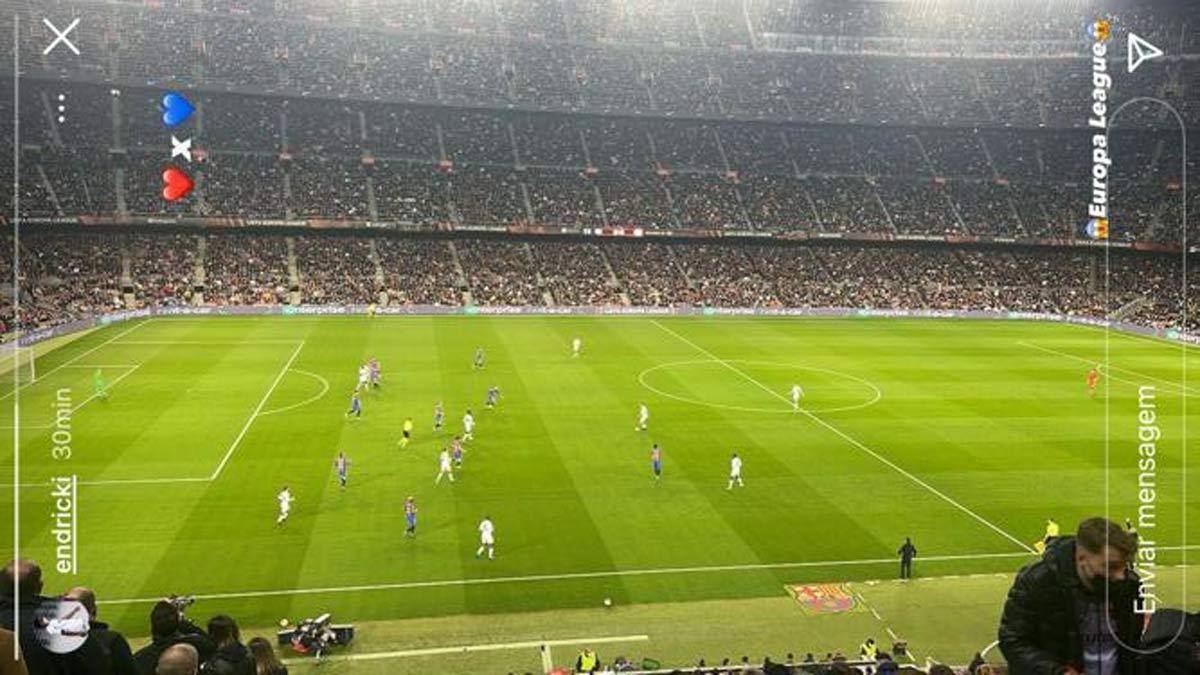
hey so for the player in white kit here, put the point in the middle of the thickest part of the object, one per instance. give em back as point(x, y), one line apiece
point(797, 394)
point(643, 418)
point(487, 538)
point(576, 345)
point(735, 472)
point(285, 505)
point(445, 468)
point(468, 427)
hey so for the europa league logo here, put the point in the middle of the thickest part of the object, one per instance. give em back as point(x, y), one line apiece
point(1100, 30)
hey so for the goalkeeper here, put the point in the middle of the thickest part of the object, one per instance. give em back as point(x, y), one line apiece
point(99, 387)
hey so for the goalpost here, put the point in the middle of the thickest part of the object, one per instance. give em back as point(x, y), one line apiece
point(24, 358)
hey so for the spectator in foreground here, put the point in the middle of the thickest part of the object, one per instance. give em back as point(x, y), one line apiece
point(265, 660)
point(27, 576)
point(7, 665)
point(168, 626)
point(232, 657)
point(1072, 612)
point(111, 642)
point(178, 659)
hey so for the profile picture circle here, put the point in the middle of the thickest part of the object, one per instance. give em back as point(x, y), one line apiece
point(61, 626)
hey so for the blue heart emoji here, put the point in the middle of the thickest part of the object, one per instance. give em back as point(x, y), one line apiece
point(176, 109)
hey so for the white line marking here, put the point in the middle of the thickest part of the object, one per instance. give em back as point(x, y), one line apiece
point(1048, 350)
point(466, 649)
point(85, 401)
point(850, 440)
point(253, 416)
point(748, 567)
point(572, 575)
point(107, 387)
point(782, 410)
point(103, 365)
point(207, 342)
point(325, 388)
point(128, 481)
point(80, 356)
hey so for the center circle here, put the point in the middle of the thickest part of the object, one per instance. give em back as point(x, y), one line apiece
point(825, 390)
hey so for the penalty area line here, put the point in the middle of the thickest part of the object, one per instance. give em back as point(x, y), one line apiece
point(75, 358)
point(257, 412)
point(849, 439)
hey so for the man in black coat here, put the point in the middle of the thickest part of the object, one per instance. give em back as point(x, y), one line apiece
point(87, 659)
point(168, 626)
point(1072, 612)
point(112, 643)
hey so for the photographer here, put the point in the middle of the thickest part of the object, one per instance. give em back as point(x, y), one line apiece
point(232, 657)
point(168, 626)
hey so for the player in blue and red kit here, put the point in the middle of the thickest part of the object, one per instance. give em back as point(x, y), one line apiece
point(342, 463)
point(355, 405)
point(656, 461)
point(410, 517)
point(373, 370)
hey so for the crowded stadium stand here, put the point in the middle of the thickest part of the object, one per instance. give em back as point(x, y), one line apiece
point(765, 154)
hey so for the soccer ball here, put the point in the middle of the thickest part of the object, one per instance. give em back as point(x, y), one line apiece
point(283, 623)
point(608, 602)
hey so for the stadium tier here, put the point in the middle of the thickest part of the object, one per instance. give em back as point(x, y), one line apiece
point(810, 292)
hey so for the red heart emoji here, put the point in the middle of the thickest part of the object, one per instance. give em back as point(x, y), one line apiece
point(176, 184)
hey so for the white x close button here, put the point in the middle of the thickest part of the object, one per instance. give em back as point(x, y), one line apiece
point(61, 36)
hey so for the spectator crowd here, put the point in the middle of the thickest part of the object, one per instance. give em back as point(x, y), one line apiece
point(70, 274)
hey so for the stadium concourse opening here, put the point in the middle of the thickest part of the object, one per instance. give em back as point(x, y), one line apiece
point(753, 336)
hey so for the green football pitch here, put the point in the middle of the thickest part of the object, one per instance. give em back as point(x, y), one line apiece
point(964, 435)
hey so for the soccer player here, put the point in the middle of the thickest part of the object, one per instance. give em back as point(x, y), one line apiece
point(576, 345)
point(439, 415)
point(373, 368)
point(364, 377)
point(99, 388)
point(342, 463)
point(406, 432)
point(479, 359)
point(493, 397)
point(410, 517)
point(735, 472)
point(285, 505)
point(445, 468)
point(468, 426)
point(643, 418)
point(355, 405)
point(487, 538)
point(656, 461)
point(456, 451)
point(1093, 378)
point(797, 394)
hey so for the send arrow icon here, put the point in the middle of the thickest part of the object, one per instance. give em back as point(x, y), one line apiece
point(1138, 51)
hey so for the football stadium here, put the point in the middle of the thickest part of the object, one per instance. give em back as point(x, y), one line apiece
point(834, 337)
